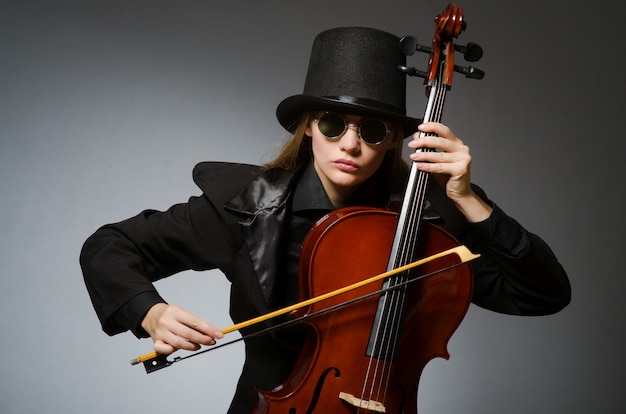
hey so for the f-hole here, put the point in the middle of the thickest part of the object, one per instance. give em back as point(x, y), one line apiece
point(318, 390)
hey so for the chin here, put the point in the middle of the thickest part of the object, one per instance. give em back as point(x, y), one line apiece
point(347, 182)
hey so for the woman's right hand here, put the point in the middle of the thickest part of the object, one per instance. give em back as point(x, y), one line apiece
point(172, 328)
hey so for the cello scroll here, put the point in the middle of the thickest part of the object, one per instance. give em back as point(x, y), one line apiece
point(449, 25)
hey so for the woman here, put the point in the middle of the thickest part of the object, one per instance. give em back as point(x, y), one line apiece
point(348, 128)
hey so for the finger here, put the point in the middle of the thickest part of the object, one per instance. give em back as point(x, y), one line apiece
point(176, 342)
point(437, 143)
point(437, 129)
point(435, 168)
point(188, 325)
point(161, 347)
point(205, 328)
point(194, 336)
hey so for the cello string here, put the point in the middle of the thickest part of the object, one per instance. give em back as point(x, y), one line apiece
point(391, 302)
point(397, 297)
point(372, 380)
point(392, 318)
point(369, 382)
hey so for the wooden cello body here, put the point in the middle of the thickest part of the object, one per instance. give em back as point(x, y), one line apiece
point(339, 371)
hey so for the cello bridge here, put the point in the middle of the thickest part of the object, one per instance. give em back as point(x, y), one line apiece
point(373, 406)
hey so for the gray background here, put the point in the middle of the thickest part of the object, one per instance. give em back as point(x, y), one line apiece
point(105, 107)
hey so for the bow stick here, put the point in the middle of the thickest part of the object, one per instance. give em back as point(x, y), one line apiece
point(463, 252)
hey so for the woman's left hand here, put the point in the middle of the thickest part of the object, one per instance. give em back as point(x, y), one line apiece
point(450, 162)
point(450, 165)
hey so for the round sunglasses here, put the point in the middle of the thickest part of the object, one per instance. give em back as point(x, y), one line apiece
point(333, 125)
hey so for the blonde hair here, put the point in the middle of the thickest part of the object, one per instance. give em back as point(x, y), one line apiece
point(297, 151)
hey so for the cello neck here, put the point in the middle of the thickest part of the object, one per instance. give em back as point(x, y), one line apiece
point(414, 198)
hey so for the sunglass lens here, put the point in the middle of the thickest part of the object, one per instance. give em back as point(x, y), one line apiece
point(373, 131)
point(331, 125)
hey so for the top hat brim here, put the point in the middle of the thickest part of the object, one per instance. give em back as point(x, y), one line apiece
point(290, 109)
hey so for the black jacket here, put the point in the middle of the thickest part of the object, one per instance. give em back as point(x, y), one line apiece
point(236, 226)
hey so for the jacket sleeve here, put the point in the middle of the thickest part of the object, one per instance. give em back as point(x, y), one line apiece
point(517, 273)
point(120, 261)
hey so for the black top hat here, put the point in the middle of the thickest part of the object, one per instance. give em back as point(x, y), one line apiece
point(353, 70)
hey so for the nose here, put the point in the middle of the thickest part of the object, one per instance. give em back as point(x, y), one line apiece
point(350, 140)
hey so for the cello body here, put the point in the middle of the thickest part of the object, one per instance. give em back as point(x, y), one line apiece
point(336, 372)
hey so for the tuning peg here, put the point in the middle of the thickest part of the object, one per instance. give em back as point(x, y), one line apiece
point(409, 45)
point(470, 72)
point(412, 72)
point(472, 52)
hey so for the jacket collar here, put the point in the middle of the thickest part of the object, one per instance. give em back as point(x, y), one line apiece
point(262, 204)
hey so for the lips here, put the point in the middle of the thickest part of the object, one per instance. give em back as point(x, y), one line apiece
point(346, 165)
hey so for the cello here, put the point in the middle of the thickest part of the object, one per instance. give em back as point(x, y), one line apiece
point(367, 356)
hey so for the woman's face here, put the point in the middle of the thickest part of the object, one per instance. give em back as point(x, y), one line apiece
point(343, 164)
